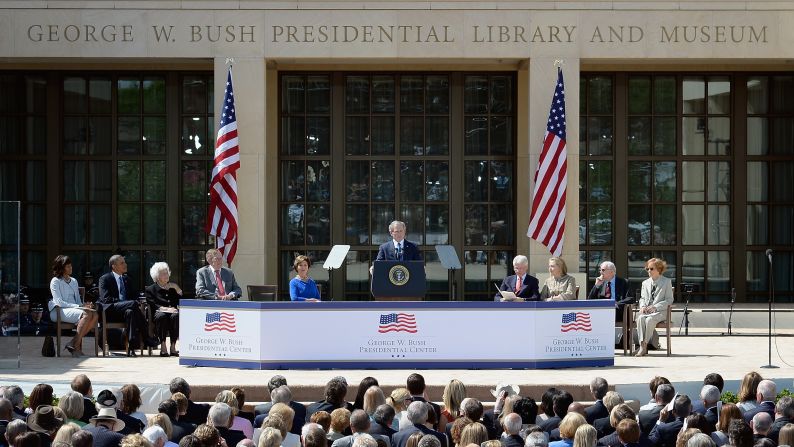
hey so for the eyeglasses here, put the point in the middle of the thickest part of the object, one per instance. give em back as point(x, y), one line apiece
point(650, 269)
point(604, 270)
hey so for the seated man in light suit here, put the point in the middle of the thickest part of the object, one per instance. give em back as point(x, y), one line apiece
point(216, 282)
point(609, 286)
point(398, 249)
point(524, 285)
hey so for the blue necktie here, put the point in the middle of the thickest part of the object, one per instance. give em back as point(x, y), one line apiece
point(399, 251)
point(122, 289)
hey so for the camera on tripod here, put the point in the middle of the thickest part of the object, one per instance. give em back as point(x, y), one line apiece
point(688, 287)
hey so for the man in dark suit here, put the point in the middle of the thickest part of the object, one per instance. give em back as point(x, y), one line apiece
point(598, 388)
point(335, 392)
point(82, 384)
point(215, 282)
point(416, 386)
point(220, 417)
point(761, 425)
point(274, 382)
point(710, 379)
point(383, 418)
point(284, 395)
point(560, 404)
point(664, 433)
point(784, 414)
point(196, 413)
point(472, 408)
point(179, 429)
point(709, 396)
point(648, 415)
point(120, 304)
point(417, 415)
point(105, 428)
point(511, 424)
point(359, 424)
point(521, 283)
point(6, 414)
point(766, 394)
point(399, 248)
point(608, 286)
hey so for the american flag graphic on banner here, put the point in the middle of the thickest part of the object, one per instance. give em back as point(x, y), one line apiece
point(220, 321)
point(547, 217)
point(576, 321)
point(400, 322)
point(222, 218)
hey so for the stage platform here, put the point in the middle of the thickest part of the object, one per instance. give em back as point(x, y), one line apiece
point(694, 356)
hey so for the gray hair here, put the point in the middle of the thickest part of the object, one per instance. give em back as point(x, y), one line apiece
point(429, 441)
point(608, 265)
point(665, 392)
point(310, 426)
point(700, 440)
point(14, 429)
point(521, 259)
point(536, 439)
point(15, 394)
point(270, 437)
point(396, 223)
point(417, 412)
point(364, 440)
point(276, 381)
point(114, 260)
point(612, 399)
point(155, 432)
point(359, 421)
point(762, 421)
point(157, 268)
point(599, 387)
point(785, 407)
point(72, 404)
point(281, 394)
point(220, 415)
point(245, 442)
point(512, 424)
point(710, 394)
point(767, 389)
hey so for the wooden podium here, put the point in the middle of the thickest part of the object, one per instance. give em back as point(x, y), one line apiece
point(398, 280)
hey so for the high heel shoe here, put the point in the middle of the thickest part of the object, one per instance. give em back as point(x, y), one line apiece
point(69, 348)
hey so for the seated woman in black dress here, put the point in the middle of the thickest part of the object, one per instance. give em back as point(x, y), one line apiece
point(163, 296)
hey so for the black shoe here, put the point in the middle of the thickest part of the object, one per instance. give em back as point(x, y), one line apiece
point(163, 354)
point(174, 353)
point(152, 342)
point(131, 353)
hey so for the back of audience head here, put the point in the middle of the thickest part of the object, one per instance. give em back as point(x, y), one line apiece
point(749, 387)
point(682, 406)
point(228, 398)
point(576, 407)
point(276, 421)
point(457, 428)
point(560, 403)
point(785, 407)
point(220, 415)
point(14, 429)
point(275, 382)
point(714, 379)
point(767, 391)
point(281, 394)
point(612, 399)
point(413, 440)
point(474, 433)
point(82, 384)
point(162, 420)
point(27, 439)
point(363, 386)
point(527, 409)
point(7, 409)
point(169, 408)
point(72, 404)
point(285, 412)
point(665, 392)
point(323, 419)
point(511, 424)
point(239, 393)
point(728, 413)
point(181, 403)
point(270, 437)
point(179, 385)
point(40, 395)
point(415, 384)
point(570, 423)
point(655, 382)
point(786, 435)
point(472, 408)
point(15, 394)
point(536, 439)
point(547, 401)
point(335, 392)
point(245, 442)
point(429, 441)
point(156, 435)
point(417, 412)
point(684, 435)
point(585, 436)
point(697, 420)
point(491, 443)
point(453, 395)
point(359, 421)
point(313, 435)
point(373, 397)
point(599, 387)
point(364, 441)
point(710, 394)
point(765, 442)
point(398, 399)
point(82, 438)
point(190, 440)
point(740, 434)
point(130, 398)
point(64, 434)
point(384, 415)
point(340, 419)
point(700, 440)
point(207, 435)
point(134, 440)
point(628, 431)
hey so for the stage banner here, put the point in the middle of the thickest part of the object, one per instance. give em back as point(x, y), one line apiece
point(397, 334)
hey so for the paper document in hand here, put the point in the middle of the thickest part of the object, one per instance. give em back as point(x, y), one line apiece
point(506, 294)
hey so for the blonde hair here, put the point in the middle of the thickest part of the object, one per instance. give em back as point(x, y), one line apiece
point(373, 398)
point(72, 405)
point(285, 412)
point(161, 420)
point(340, 419)
point(749, 387)
point(270, 437)
point(181, 402)
point(570, 423)
point(397, 399)
point(454, 393)
point(585, 436)
point(135, 440)
point(227, 397)
point(64, 434)
point(559, 262)
point(658, 264)
point(474, 433)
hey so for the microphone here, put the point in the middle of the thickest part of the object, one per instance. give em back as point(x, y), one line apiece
point(733, 295)
point(769, 254)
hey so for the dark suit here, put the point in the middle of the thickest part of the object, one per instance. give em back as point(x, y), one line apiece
point(711, 417)
point(400, 439)
point(529, 287)
point(89, 409)
point(104, 437)
point(765, 406)
point(648, 418)
point(298, 420)
point(127, 310)
point(596, 411)
point(232, 437)
point(196, 413)
point(774, 431)
point(378, 429)
point(3, 425)
point(491, 423)
point(165, 324)
point(410, 252)
point(435, 406)
point(603, 427)
point(512, 441)
point(323, 406)
point(180, 430)
point(618, 295)
point(665, 434)
point(550, 424)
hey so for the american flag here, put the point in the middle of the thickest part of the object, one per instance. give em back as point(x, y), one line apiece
point(397, 323)
point(222, 218)
point(576, 321)
point(220, 321)
point(547, 218)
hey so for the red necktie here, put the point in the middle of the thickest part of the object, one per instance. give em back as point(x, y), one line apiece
point(218, 280)
point(518, 284)
point(608, 293)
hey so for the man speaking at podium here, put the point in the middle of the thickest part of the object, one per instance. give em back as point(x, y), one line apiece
point(398, 249)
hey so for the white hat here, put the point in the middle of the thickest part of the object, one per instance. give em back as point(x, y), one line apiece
point(108, 415)
point(503, 386)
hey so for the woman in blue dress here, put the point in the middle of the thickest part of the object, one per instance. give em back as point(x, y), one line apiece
point(301, 287)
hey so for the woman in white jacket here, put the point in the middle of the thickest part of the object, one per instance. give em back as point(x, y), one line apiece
point(66, 296)
point(656, 296)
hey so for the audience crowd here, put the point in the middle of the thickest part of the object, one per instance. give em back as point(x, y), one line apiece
point(406, 417)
